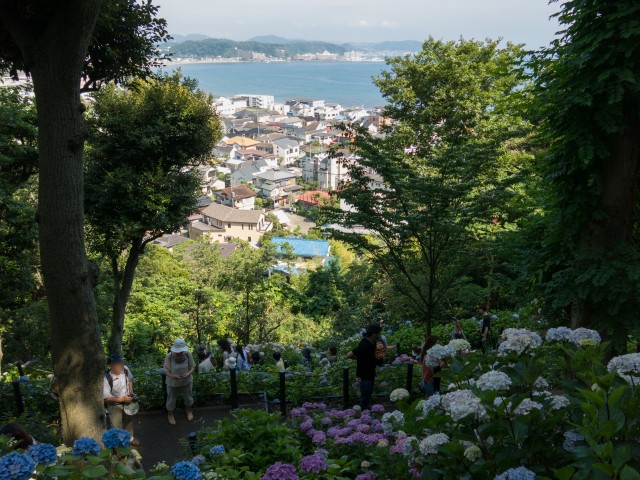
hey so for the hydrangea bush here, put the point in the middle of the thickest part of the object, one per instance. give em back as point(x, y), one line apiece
point(539, 407)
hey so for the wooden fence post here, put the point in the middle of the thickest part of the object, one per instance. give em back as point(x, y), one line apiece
point(17, 395)
point(283, 395)
point(234, 388)
point(345, 387)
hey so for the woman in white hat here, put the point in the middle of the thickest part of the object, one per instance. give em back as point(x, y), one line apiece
point(179, 367)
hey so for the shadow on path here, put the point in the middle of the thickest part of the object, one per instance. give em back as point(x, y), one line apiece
point(161, 442)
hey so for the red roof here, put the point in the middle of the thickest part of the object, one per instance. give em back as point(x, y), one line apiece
point(313, 196)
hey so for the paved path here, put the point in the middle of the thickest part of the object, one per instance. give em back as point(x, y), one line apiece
point(160, 441)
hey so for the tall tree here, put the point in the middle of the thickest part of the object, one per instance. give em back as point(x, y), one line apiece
point(439, 169)
point(141, 181)
point(589, 90)
point(50, 40)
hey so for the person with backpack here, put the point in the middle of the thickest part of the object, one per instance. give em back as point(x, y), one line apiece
point(365, 356)
point(118, 392)
point(179, 367)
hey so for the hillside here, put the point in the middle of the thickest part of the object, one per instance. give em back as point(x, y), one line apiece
point(220, 47)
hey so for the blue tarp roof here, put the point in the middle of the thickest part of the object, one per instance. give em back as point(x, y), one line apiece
point(303, 247)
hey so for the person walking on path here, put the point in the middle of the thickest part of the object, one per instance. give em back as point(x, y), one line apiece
point(179, 367)
point(118, 392)
point(365, 355)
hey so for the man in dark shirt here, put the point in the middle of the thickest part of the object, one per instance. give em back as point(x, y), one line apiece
point(365, 354)
point(485, 330)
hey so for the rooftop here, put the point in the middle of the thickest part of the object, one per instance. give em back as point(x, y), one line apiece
point(242, 141)
point(238, 192)
point(228, 214)
point(303, 247)
point(275, 175)
point(312, 197)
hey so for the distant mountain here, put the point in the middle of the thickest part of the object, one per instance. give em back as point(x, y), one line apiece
point(388, 46)
point(222, 47)
point(191, 36)
point(274, 40)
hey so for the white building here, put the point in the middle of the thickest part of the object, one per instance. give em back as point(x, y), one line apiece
point(329, 172)
point(258, 101)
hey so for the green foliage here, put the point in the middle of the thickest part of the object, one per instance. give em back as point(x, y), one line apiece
point(130, 50)
point(446, 163)
point(588, 97)
point(261, 438)
point(143, 145)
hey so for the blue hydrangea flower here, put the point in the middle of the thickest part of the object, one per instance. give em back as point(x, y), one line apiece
point(115, 437)
point(185, 471)
point(43, 453)
point(86, 446)
point(519, 473)
point(16, 466)
point(24, 378)
point(198, 460)
point(147, 372)
point(217, 450)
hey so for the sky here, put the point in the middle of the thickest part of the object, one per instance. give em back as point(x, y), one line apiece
point(339, 21)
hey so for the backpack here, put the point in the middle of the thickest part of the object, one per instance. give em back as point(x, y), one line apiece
point(127, 374)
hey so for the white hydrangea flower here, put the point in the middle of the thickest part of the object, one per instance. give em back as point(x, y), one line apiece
point(526, 406)
point(541, 393)
point(627, 367)
point(560, 334)
point(541, 382)
point(493, 380)
point(408, 445)
point(585, 336)
point(459, 344)
point(430, 444)
point(519, 473)
point(519, 340)
point(570, 439)
point(462, 403)
point(399, 394)
point(365, 464)
point(473, 453)
point(431, 403)
point(391, 420)
point(559, 401)
point(437, 353)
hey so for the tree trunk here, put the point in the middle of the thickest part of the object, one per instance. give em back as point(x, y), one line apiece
point(54, 40)
point(618, 200)
point(123, 283)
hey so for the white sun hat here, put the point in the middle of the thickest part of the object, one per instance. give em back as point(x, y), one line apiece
point(179, 346)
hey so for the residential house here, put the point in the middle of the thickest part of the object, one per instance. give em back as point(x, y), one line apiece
point(210, 182)
point(304, 249)
point(276, 184)
point(240, 197)
point(227, 223)
point(169, 241)
point(288, 149)
point(240, 142)
point(245, 174)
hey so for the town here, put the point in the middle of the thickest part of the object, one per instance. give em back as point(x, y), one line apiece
point(275, 159)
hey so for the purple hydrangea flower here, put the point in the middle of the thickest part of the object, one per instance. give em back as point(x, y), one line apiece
point(280, 471)
point(319, 438)
point(313, 464)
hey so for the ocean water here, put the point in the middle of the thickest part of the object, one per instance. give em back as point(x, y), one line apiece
point(347, 83)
